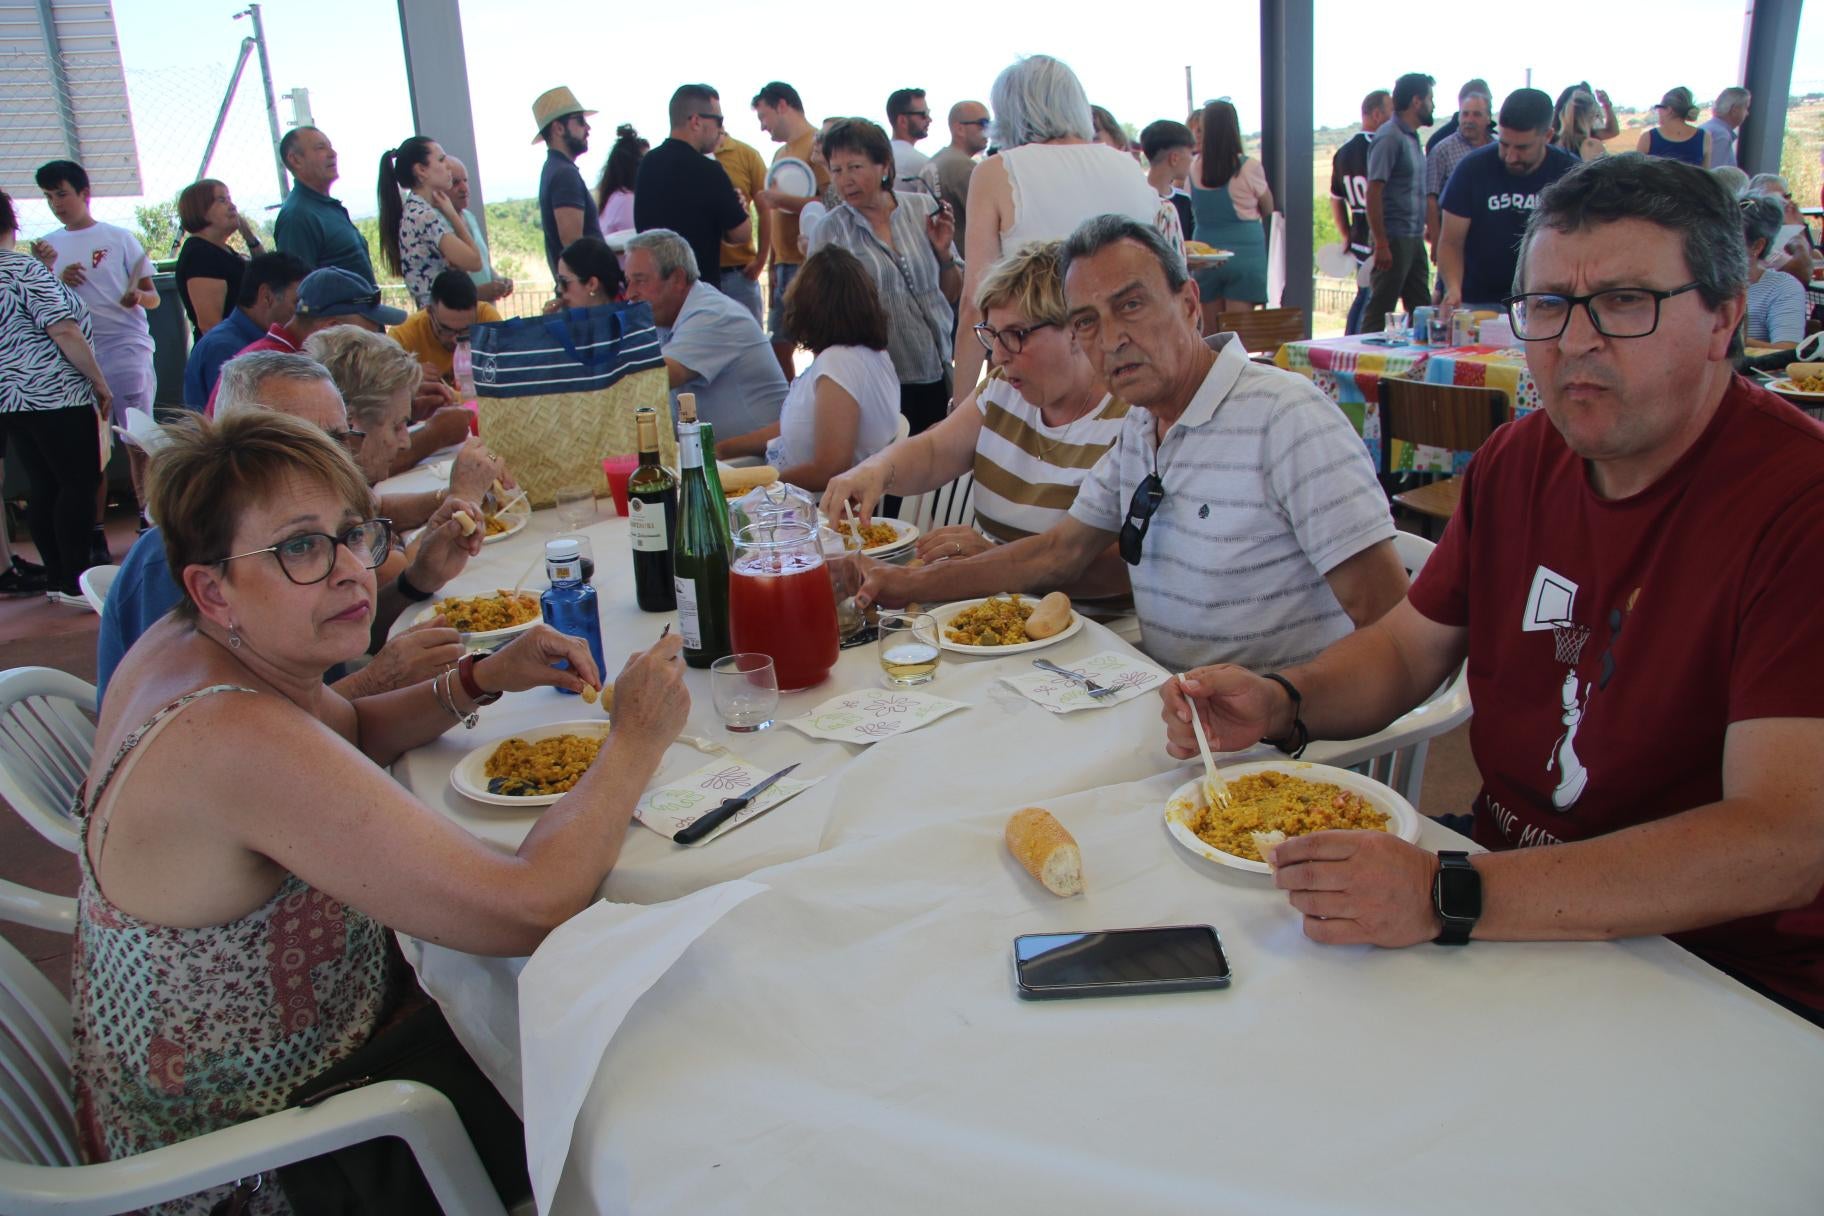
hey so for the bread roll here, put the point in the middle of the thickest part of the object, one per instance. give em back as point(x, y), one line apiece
point(1804, 373)
point(1049, 853)
point(1052, 616)
point(464, 522)
point(736, 482)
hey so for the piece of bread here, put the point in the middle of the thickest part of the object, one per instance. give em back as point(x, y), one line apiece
point(1049, 852)
point(464, 522)
point(1266, 842)
point(736, 482)
point(1051, 617)
point(606, 696)
point(1805, 373)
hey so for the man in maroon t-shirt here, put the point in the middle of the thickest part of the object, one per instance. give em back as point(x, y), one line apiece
point(1634, 577)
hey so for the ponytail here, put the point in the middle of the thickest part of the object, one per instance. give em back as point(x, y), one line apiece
point(398, 172)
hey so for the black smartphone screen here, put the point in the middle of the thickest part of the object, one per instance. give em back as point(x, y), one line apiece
point(1163, 959)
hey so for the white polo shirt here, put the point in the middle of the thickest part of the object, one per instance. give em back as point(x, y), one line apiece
point(1267, 489)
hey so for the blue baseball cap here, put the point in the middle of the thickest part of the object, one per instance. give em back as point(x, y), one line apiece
point(334, 292)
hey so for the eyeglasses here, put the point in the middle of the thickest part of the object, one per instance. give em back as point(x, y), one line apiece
point(1147, 497)
point(1616, 312)
point(918, 113)
point(310, 557)
point(349, 438)
point(1012, 339)
point(715, 118)
point(974, 122)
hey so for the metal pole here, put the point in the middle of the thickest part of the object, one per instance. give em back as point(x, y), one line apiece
point(221, 115)
point(60, 80)
point(272, 102)
point(1190, 103)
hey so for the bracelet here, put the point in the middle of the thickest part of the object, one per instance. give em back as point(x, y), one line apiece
point(465, 671)
point(1300, 738)
point(408, 591)
point(441, 687)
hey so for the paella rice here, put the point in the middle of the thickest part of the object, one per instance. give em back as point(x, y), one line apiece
point(993, 622)
point(550, 766)
point(1270, 802)
point(873, 536)
point(486, 613)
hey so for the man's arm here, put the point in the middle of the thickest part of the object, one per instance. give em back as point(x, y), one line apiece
point(1450, 258)
point(1370, 583)
point(1339, 214)
point(763, 242)
point(1377, 224)
point(300, 237)
point(677, 373)
point(569, 221)
point(740, 232)
point(1049, 560)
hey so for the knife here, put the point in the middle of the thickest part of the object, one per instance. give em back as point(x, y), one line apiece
point(705, 824)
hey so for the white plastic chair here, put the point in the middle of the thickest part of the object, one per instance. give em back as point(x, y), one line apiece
point(95, 582)
point(47, 738)
point(952, 504)
point(39, 909)
point(902, 429)
point(39, 1173)
point(1395, 756)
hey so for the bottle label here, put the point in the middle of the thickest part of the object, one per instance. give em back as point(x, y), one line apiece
point(690, 628)
point(646, 520)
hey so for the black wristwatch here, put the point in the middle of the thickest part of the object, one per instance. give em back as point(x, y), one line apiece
point(1456, 896)
point(408, 591)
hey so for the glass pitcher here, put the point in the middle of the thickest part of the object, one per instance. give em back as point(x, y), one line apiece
point(780, 601)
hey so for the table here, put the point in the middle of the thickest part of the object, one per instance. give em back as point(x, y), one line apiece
point(841, 1032)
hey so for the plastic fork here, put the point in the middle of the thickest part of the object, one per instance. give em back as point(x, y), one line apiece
point(1215, 789)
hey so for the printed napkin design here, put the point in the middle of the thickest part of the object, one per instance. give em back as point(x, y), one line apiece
point(676, 805)
point(1130, 677)
point(872, 715)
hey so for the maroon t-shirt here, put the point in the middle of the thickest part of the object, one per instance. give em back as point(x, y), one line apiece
point(278, 337)
point(1612, 643)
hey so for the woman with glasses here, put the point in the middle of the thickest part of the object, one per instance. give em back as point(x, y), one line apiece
point(588, 274)
point(1030, 433)
point(245, 852)
point(845, 406)
point(1776, 302)
point(1800, 251)
point(905, 242)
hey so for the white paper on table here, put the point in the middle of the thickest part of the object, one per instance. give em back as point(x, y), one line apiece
point(676, 805)
point(873, 714)
point(575, 992)
point(1129, 676)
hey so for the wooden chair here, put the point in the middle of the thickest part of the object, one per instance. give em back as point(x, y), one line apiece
point(1437, 415)
point(1264, 330)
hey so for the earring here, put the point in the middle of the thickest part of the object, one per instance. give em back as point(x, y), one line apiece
point(234, 639)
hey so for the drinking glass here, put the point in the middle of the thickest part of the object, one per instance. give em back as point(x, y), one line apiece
point(745, 689)
point(1395, 326)
point(908, 648)
point(585, 551)
point(575, 506)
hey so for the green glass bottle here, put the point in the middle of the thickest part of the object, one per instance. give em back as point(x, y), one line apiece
point(711, 471)
point(700, 549)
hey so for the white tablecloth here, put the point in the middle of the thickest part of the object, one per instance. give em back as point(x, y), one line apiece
point(849, 1039)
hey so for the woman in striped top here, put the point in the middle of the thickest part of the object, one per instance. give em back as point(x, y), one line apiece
point(1030, 433)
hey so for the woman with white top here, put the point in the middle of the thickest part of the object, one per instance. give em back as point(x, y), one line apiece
point(845, 406)
point(1030, 433)
point(422, 233)
point(1049, 176)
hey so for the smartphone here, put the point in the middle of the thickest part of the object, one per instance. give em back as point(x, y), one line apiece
point(1119, 962)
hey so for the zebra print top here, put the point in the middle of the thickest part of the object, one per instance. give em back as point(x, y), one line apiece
point(34, 375)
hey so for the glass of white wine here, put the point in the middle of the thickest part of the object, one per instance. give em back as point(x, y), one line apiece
point(908, 647)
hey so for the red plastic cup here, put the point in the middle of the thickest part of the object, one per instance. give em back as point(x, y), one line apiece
point(618, 470)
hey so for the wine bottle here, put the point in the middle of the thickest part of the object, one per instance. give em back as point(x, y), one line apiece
point(714, 474)
point(699, 549)
point(652, 517)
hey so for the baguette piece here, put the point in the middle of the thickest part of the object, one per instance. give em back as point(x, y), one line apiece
point(1052, 616)
point(464, 522)
point(1047, 850)
point(736, 482)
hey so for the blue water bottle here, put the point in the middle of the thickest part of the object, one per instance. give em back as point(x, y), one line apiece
point(568, 604)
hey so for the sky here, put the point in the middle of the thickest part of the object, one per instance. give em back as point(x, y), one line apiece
point(624, 61)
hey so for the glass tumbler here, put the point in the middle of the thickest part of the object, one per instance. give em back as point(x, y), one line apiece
point(745, 689)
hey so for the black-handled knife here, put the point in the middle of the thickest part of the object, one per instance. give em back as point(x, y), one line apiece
point(705, 824)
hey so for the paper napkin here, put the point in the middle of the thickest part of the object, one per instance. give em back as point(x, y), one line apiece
point(674, 806)
point(871, 715)
point(1130, 676)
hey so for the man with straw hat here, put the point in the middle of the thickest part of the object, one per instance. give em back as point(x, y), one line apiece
point(565, 209)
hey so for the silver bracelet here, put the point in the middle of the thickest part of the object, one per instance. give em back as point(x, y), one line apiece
point(446, 697)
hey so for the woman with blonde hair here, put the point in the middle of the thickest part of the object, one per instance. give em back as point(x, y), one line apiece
point(1578, 125)
point(1673, 136)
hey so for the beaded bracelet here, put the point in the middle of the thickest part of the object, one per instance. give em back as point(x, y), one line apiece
point(1300, 738)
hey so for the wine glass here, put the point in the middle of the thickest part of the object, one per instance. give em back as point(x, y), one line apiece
point(575, 506)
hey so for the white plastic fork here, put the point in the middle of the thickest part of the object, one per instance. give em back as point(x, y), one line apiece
point(1215, 789)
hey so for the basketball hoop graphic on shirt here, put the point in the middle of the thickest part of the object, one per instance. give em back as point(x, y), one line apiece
point(1549, 605)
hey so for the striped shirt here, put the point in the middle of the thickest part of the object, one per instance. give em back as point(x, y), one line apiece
point(1443, 160)
point(1267, 489)
point(1776, 308)
point(1027, 473)
point(919, 319)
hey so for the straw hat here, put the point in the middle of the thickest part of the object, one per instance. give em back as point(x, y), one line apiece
point(554, 104)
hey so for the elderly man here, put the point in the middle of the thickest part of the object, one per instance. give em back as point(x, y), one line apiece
point(1633, 580)
point(1396, 204)
point(1239, 495)
point(294, 384)
point(269, 297)
point(780, 113)
point(488, 285)
point(1727, 114)
point(1489, 199)
point(712, 346)
point(955, 162)
point(1475, 118)
point(566, 211)
point(682, 188)
point(312, 226)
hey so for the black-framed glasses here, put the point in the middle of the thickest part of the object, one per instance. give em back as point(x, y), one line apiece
point(1616, 312)
point(310, 556)
point(715, 118)
point(1012, 339)
point(918, 113)
point(1147, 497)
point(983, 123)
point(349, 438)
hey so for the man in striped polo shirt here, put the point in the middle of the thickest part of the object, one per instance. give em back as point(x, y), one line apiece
point(1239, 494)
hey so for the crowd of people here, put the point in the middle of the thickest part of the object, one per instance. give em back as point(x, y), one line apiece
point(1119, 448)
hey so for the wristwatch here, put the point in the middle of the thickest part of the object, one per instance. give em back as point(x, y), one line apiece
point(1456, 896)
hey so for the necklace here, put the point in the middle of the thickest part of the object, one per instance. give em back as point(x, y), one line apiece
point(1048, 446)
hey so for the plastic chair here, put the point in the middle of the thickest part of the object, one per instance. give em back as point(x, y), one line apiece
point(95, 582)
point(47, 738)
point(40, 909)
point(1395, 756)
point(952, 504)
point(39, 1173)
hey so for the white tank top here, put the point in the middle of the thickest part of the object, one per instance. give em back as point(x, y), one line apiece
point(1058, 186)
